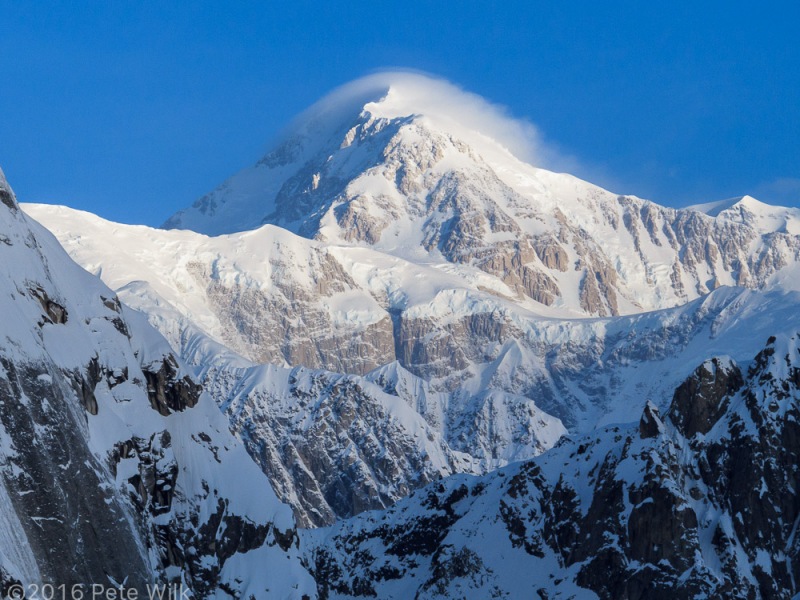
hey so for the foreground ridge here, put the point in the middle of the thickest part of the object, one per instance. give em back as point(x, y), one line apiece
point(115, 468)
point(700, 502)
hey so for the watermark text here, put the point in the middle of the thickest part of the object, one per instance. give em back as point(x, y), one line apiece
point(96, 591)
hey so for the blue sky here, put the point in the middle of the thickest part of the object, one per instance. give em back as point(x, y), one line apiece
point(134, 109)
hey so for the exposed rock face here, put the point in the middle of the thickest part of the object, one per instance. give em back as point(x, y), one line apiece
point(312, 466)
point(650, 425)
point(115, 468)
point(166, 391)
point(76, 528)
point(53, 311)
point(626, 512)
point(6, 197)
point(696, 405)
point(336, 445)
point(288, 327)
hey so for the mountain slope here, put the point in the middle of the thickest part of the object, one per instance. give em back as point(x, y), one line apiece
point(700, 502)
point(281, 298)
point(482, 375)
point(114, 467)
point(391, 163)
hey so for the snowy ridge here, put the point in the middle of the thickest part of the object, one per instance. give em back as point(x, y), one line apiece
point(114, 464)
point(749, 211)
point(330, 121)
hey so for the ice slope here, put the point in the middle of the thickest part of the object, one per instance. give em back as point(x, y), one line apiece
point(114, 467)
point(417, 169)
point(698, 501)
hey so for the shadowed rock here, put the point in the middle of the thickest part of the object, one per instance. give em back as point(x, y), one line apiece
point(698, 403)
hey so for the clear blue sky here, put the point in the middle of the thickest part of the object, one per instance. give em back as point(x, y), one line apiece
point(134, 109)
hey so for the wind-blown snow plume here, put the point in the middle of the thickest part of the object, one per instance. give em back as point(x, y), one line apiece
point(393, 94)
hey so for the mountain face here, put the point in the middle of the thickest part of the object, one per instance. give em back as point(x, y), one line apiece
point(700, 501)
point(423, 283)
point(115, 468)
point(394, 312)
point(389, 163)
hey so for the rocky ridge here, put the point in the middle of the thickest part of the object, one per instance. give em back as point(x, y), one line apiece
point(697, 501)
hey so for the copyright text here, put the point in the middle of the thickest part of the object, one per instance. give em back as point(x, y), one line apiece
point(95, 591)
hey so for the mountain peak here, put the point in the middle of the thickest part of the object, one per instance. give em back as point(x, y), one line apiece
point(418, 169)
point(714, 209)
point(750, 211)
point(404, 94)
point(407, 122)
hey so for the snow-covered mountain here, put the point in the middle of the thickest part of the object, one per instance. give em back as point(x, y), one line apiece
point(434, 266)
point(395, 309)
point(699, 501)
point(417, 169)
point(115, 468)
